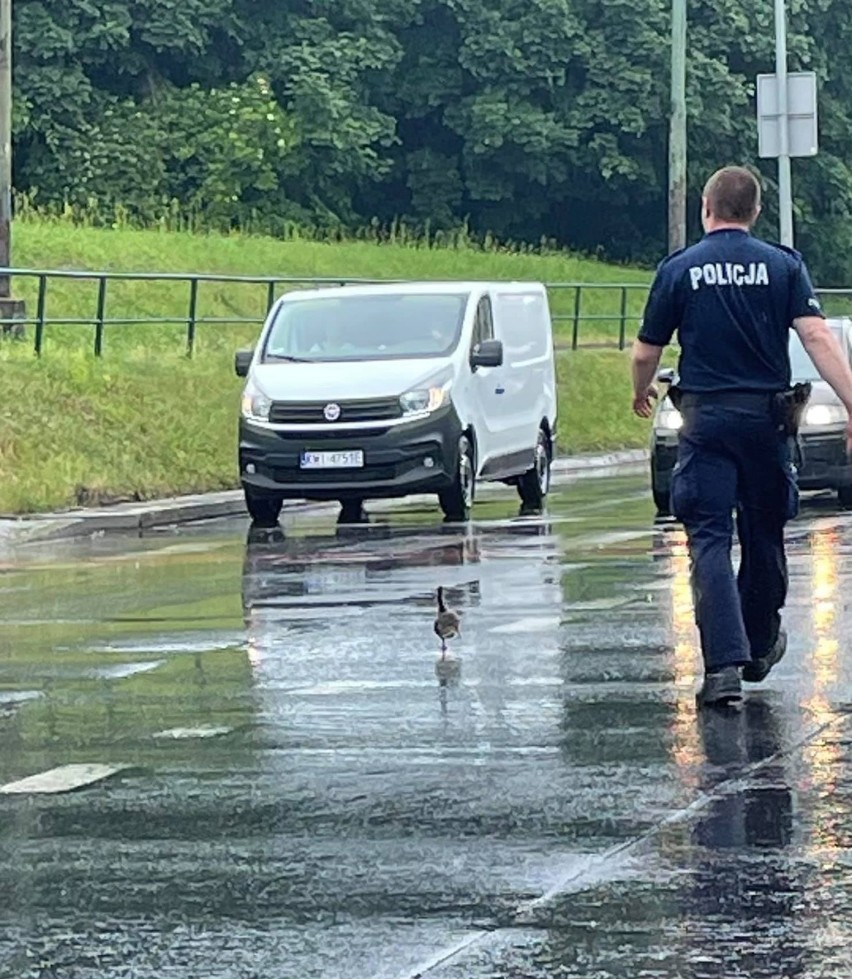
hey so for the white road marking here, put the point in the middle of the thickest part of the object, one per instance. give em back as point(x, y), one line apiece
point(334, 687)
point(8, 698)
point(62, 779)
point(184, 733)
point(532, 623)
point(610, 538)
point(123, 670)
point(598, 604)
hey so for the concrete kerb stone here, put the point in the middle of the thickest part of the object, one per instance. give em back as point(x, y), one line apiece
point(135, 517)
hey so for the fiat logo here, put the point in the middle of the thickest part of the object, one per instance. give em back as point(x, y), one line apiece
point(331, 412)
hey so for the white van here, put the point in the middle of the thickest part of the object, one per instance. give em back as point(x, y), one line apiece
point(369, 391)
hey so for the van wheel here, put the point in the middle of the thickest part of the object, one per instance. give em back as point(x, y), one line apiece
point(534, 485)
point(844, 497)
point(263, 510)
point(458, 499)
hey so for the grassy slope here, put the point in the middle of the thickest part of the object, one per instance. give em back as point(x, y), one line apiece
point(146, 421)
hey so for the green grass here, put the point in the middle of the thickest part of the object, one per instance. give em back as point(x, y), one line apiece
point(82, 430)
point(143, 421)
point(64, 246)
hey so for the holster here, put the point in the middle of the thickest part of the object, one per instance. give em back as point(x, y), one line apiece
point(675, 395)
point(787, 409)
point(789, 406)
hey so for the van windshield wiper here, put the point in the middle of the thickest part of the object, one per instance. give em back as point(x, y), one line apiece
point(290, 360)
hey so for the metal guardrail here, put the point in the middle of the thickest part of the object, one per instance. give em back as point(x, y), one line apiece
point(623, 311)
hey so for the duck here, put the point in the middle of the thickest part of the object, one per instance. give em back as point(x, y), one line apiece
point(447, 623)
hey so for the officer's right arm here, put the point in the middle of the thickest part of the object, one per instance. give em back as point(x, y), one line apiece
point(659, 322)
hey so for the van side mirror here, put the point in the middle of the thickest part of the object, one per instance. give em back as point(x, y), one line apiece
point(242, 362)
point(666, 375)
point(489, 353)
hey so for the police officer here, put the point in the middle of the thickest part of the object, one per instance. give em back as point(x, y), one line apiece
point(732, 299)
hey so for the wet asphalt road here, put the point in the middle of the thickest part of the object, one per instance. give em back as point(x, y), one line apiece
point(304, 800)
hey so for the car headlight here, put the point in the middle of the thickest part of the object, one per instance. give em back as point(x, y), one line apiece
point(669, 419)
point(425, 400)
point(819, 416)
point(255, 404)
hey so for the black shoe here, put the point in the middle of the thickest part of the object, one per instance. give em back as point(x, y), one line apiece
point(722, 689)
point(758, 669)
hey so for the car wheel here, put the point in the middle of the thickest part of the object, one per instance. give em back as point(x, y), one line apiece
point(661, 497)
point(661, 502)
point(263, 510)
point(844, 497)
point(534, 484)
point(458, 499)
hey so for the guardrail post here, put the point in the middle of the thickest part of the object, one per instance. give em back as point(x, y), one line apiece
point(190, 323)
point(575, 334)
point(270, 295)
point(99, 322)
point(40, 303)
point(622, 333)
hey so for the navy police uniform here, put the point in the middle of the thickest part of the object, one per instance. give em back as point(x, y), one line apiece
point(732, 299)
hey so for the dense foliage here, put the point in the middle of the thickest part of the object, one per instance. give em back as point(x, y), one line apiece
point(527, 118)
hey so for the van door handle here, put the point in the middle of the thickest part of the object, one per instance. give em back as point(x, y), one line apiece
point(499, 390)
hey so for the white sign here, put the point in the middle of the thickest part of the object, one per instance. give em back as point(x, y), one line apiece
point(801, 114)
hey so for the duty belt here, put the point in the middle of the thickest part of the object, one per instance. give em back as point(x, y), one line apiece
point(787, 407)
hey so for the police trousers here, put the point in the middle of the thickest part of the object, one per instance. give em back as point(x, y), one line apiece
point(734, 459)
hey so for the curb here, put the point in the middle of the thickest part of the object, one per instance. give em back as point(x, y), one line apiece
point(607, 460)
point(137, 517)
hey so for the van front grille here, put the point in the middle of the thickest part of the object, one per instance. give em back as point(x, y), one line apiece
point(313, 412)
point(373, 474)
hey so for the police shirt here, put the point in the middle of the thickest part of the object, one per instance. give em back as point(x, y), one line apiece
point(732, 299)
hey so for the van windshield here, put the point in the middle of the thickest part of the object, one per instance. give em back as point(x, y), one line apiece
point(801, 366)
point(378, 327)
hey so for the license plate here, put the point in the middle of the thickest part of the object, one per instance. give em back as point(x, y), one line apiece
point(353, 459)
point(321, 582)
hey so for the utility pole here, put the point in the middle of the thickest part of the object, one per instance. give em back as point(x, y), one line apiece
point(677, 129)
point(5, 141)
point(11, 310)
point(785, 182)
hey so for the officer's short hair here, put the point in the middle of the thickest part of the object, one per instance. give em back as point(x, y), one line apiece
point(733, 194)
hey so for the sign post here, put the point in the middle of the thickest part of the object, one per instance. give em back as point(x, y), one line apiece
point(786, 119)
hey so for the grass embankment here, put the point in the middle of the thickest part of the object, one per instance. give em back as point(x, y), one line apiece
point(144, 421)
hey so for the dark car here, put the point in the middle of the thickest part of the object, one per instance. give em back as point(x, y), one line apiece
point(823, 429)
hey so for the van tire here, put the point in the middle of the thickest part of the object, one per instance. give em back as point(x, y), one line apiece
point(457, 501)
point(844, 497)
point(263, 510)
point(534, 484)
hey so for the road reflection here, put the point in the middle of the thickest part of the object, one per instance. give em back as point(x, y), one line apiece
point(744, 908)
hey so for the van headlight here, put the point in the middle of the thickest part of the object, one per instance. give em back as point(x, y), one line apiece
point(255, 404)
point(669, 420)
point(821, 416)
point(425, 400)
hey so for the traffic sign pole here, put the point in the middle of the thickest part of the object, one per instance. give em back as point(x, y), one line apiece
point(785, 184)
